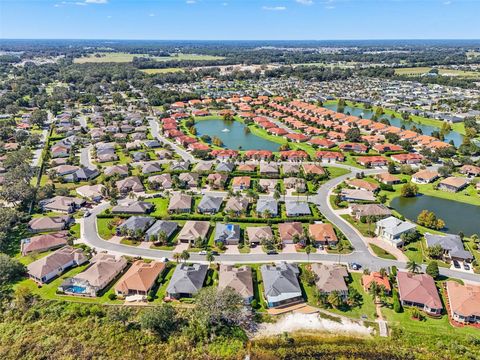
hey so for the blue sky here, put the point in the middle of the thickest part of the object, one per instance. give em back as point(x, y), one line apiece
point(240, 19)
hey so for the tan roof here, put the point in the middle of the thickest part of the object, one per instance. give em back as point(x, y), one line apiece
point(241, 180)
point(288, 230)
point(456, 182)
point(330, 277)
point(56, 260)
point(426, 174)
point(362, 184)
point(180, 201)
point(239, 279)
point(464, 300)
point(313, 169)
point(140, 277)
point(193, 230)
point(387, 177)
point(104, 268)
point(259, 233)
point(49, 222)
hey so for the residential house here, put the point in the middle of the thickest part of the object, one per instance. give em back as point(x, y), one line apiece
point(186, 281)
point(267, 185)
point(470, 170)
point(49, 223)
point(297, 184)
point(135, 225)
point(134, 207)
point(167, 228)
point(387, 178)
point(104, 269)
point(119, 170)
point(91, 192)
point(290, 231)
point(236, 204)
point(240, 183)
point(391, 229)
point(377, 278)
point(280, 283)
point(289, 169)
point(259, 234)
point(180, 203)
point(209, 204)
point(377, 211)
point(330, 278)
point(129, 184)
point(62, 204)
point(193, 230)
point(217, 180)
point(267, 207)
point(409, 158)
point(425, 176)
point(451, 245)
point(238, 279)
point(45, 269)
point(228, 234)
point(353, 195)
point(313, 169)
point(189, 180)
point(140, 278)
point(269, 169)
point(162, 181)
point(151, 167)
point(297, 208)
point(362, 185)
point(419, 290)
point(453, 184)
point(322, 234)
point(464, 302)
point(45, 242)
point(225, 166)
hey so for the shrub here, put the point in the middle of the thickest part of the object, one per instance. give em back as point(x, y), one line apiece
point(397, 306)
point(112, 296)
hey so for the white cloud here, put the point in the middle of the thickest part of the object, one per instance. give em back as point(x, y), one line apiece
point(151, 14)
point(274, 8)
point(109, 16)
point(447, 2)
point(305, 2)
point(96, 1)
point(329, 7)
point(80, 3)
point(225, 4)
point(190, 2)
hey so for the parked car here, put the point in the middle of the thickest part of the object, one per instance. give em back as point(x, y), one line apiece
point(354, 266)
point(203, 252)
point(87, 214)
point(466, 266)
point(456, 264)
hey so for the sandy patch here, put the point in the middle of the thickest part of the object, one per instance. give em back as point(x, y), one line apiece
point(296, 321)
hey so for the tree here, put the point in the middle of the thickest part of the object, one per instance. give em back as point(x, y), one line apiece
point(121, 314)
point(413, 267)
point(209, 257)
point(432, 269)
point(177, 257)
point(335, 299)
point(435, 251)
point(10, 269)
point(409, 190)
point(39, 118)
point(308, 250)
point(160, 320)
point(392, 169)
point(397, 306)
point(429, 219)
point(185, 255)
point(353, 135)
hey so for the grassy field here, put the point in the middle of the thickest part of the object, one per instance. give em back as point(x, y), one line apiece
point(161, 206)
point(364, 228)
point(161, 71)
point(103, 230)
point(123, 57)
point(415, 71)
point(382, 253)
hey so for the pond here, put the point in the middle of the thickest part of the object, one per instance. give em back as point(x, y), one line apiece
point(458, 216)
point(233, 135)
point(398, 122)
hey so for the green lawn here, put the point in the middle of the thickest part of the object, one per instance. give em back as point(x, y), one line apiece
point(161, 71)
point(335, 172)
point(382, 253)
point(48, 291)
point(75, 230)
point(123, 57)
point(364, 228)
point(103, 230)
point(161, 206)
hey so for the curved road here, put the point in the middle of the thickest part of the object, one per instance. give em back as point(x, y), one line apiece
point(361, 254)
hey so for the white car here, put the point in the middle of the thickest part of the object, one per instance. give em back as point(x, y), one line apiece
point(203, 252)
point(87, 214)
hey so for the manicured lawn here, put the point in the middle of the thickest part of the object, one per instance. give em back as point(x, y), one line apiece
point(161, 71)
point(382, 253)
point(103, 230)
point(164, 280)
point(28, 259)
point(161, 206)
point(335, 172)
point(123, 57)
point(75, 230)
point(48, 291)
point(414, 251)
point(130, 242)
point(364, 228)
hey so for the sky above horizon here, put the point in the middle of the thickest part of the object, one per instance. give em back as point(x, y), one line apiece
point(240, 19)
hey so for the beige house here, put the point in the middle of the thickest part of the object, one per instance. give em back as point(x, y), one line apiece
point(192, 230)
point(237, 278)
point(140, 278)
point(258, 234)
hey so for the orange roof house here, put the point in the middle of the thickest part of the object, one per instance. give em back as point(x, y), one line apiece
point(139, 279)
point(375, 277)
point(322, 234)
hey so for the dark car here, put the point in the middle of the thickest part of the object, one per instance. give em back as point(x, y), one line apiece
point(456, 264)
point(272, 252)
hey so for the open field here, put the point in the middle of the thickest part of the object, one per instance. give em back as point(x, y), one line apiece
point(415, 71)
point(161, 71)
point(122, 57)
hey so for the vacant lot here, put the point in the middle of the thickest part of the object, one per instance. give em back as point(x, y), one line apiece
point(415, 71)
point(122, 57)
point(161, 71)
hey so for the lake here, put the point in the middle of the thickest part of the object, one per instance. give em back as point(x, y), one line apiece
point(236, 138)
point(398, 122)
point(458, 216)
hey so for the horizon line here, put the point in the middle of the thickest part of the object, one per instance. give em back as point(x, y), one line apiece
point(345, 39)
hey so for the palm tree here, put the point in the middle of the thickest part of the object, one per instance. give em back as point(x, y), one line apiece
point(308, 250)
point(210, 258)
point(335, 299)
point(177, 257)
point(413, 267)
point(383, 272)
point(185, 255)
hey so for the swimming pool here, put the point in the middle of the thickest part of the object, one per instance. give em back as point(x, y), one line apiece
point(75, 289)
